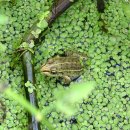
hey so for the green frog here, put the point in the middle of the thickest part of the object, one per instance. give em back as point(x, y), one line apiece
point(67, 67)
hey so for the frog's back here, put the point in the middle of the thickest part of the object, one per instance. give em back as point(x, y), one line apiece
point(70, 66)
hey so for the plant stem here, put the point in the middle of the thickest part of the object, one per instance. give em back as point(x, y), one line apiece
point(27, 57)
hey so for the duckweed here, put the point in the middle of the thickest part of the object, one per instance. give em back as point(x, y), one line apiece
point(105, 37)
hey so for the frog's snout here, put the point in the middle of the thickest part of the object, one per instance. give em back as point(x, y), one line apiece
point(45, 69)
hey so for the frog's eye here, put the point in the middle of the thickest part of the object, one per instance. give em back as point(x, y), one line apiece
point(53, 70)
point(50, 61)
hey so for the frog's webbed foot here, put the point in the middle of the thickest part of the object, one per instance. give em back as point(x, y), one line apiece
point(66, 80)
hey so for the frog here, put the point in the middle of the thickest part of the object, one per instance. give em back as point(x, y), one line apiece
point(66, 68)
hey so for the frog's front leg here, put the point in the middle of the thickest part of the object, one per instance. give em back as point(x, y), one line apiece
point(66, 79)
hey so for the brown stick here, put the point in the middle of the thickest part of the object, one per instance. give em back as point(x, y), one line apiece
point(28, 68)
point(59, 9)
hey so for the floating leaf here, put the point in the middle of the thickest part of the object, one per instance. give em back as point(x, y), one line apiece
point(30, 86)
point(31, 45)
point(42, 24)
point(2, 48)
point(3, 19)
point(126, 7)
point(43, 15)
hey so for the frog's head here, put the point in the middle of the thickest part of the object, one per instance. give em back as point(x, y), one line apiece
point(50, 68)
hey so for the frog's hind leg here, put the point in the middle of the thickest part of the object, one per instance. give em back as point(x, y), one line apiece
point(66, 80)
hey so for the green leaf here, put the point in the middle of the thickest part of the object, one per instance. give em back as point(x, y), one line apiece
point(3, 19)
point(31, 45)
point(42, 24)
point(43, 15)
point(24, 45)
point(36, 33)
point(66, 99)
point(30, 90)
point(126, 7)
point(2, 48)
point(28, 84)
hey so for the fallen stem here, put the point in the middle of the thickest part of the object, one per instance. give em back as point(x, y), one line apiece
point(27, 57)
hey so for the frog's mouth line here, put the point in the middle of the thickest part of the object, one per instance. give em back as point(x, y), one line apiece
point(47, 73)
point(45, 69)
